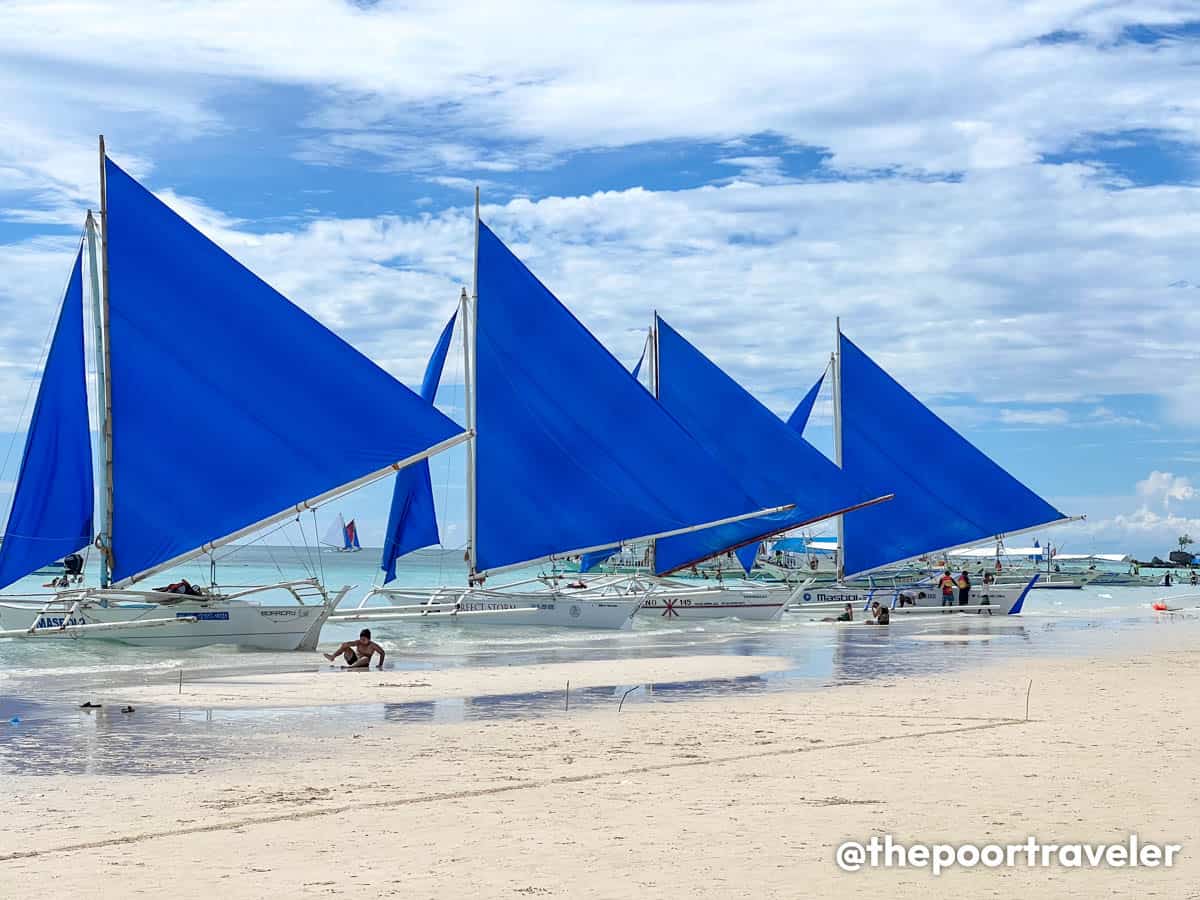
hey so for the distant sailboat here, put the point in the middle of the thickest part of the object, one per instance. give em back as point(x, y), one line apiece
point(341, 536)
point(571, 455)
point(201, 419)
point(335, 535)
point(949, 494)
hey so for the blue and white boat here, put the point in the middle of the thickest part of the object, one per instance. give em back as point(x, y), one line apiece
point(948, 494)
point(202, 422)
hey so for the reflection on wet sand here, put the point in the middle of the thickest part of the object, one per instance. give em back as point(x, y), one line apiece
point(43, 730)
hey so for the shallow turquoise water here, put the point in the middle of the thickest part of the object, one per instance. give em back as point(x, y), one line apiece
point(43, 683)
point(1055, 622)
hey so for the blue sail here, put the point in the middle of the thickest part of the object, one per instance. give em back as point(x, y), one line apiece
point(412, 520)
point(948, 493)
point(637, 369)
point(746, 555)
point(589, 561)
point(803, 411)
point(806, 545)
point(772, 461)
point(571, 452)
point(217, 421)
point(51, 513)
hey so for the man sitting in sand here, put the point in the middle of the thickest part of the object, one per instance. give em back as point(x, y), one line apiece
point(358, 653)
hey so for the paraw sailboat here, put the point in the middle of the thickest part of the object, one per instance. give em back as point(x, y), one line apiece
point(949, 494)
point(341, 536)
point(764, 454)
point(206, 437)
point(571, 455)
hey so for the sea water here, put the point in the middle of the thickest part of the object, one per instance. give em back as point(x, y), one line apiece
point(1054, 621)
point(42, 683)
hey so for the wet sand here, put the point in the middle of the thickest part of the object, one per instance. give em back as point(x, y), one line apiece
point(338, 685)
point(732, 796)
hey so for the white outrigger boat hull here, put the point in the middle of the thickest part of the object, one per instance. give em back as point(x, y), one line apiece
point(760, 604)
point(992, 599)
point(155, 619)
point(670, 600)
point(479, 606)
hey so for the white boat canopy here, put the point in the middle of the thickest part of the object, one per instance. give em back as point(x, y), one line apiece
point(1095, 557)
point(990, 552)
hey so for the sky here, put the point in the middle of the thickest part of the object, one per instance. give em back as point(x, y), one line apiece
point(1001, 203)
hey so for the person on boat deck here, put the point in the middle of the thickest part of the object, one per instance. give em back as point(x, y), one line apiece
point(964, 588)
point(358, 653)
point(988, 578)
point(946, 583)
point(1194, 579)
point(907, 600)
point(183, 586)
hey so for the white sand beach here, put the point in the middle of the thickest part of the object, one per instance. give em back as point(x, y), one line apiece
point(739, 796)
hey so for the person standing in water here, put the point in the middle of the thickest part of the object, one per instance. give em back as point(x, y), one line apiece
point(964, 588)
point(358, 653)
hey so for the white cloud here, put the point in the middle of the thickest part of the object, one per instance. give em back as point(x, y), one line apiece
point(1142, 523)
point(924, 86)
point(1042, 417)
point(1102, 415)
point(929, 278)
point(1020, 284)
point(1163, 487)
point(757, 169)
point(1142, 532)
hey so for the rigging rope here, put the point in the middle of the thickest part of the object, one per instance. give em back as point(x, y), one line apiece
point(317, 535)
